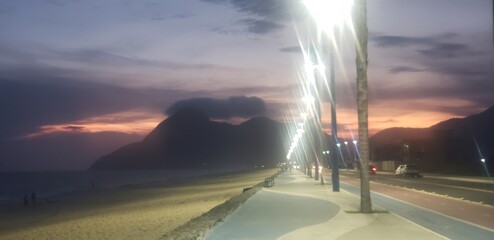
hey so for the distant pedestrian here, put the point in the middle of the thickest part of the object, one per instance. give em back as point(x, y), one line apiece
point(33, 198)
point(26, 202)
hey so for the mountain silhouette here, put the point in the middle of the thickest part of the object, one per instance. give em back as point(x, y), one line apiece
point(452, 146)
point(189, 139)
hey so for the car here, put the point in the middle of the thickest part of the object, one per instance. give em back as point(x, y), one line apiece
point(372, 169)
point(410, 170)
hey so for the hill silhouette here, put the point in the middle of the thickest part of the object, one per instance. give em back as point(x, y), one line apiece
point(189, 139)
point(452, 146)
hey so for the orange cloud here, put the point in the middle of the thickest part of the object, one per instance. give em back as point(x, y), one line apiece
point(131, 122)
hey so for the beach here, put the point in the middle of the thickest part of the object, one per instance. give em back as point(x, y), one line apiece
point(140, 211)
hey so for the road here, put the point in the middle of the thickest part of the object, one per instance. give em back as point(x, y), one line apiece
point(423, 201)
point(479, 190)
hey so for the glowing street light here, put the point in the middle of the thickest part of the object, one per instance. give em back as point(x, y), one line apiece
point(329, 13)
point(485, 167)
point(309, 100)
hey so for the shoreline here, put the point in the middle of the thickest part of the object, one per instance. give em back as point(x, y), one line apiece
point(57, 184)
point(143, 211)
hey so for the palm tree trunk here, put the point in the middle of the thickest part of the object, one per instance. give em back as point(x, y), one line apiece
point(362, 102)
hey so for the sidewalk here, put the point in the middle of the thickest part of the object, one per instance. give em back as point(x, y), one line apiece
point(298, 207)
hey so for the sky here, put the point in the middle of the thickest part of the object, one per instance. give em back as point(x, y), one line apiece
point(80, 78)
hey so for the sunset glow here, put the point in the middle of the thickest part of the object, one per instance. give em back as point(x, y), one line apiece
point(109, 70)
point(130, 122)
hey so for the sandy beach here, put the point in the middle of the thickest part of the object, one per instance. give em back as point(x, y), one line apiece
point(145, 211)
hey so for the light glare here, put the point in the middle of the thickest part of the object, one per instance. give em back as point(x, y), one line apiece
point(329, 13)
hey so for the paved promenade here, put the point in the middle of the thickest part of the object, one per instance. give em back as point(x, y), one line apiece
point(298, 207)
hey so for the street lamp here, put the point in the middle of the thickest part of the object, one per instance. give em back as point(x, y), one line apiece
point(328, 14)
point(485, 167)
point(355, 154)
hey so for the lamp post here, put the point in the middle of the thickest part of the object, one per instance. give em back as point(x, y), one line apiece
point(335, 178)
point(355, 153)
point(328, 15)
point(313, 107)
point(346, 156)
point(482, 160)
point(334, 161)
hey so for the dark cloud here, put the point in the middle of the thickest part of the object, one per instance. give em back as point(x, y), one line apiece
point(98, 56)
point(274, 110)
point(274, 92)
point(261, 26)
point(399, 41)
point(448, 35)
point(101, 57)
point(74, 128)
point(447, 50)
point(435, 45)
point(464, 71)
point(265, 16)
point(26, 62)
point(295, 49)
point(402, 69)
point(279, 10)
point(240, 106)
point(27, 105)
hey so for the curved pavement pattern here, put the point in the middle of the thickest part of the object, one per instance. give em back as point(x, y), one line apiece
point(298, 207)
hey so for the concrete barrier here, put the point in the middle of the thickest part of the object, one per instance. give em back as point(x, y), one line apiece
point(269, 182)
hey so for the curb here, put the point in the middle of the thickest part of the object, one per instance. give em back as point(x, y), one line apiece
point(197, 228)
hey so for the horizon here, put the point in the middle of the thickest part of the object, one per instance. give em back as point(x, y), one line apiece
point(89, 77)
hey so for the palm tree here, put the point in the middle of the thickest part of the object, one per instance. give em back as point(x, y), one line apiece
point(362, 102)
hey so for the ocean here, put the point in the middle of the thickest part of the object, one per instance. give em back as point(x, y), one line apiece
point(50, 185)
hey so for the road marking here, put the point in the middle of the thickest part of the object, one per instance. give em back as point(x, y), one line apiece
point(434, 211)
point(426, 192)
point(439, 231)
point(446, 185)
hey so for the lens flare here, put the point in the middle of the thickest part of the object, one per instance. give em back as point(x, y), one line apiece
point(330, 13)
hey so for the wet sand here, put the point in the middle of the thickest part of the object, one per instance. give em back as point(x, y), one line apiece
point(145, 211)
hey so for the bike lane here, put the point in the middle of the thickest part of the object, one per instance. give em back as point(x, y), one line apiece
point(453, 218)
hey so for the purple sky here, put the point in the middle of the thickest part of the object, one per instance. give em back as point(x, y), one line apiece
point(76, 74)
